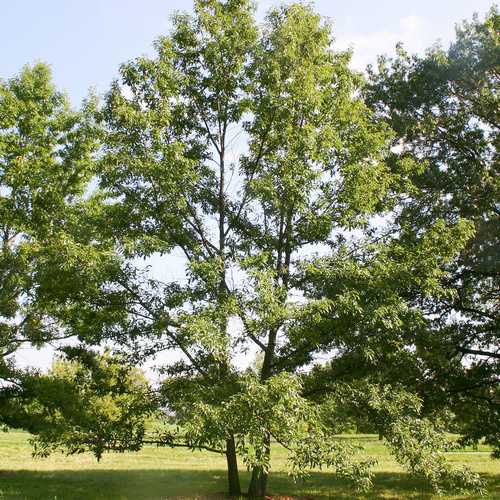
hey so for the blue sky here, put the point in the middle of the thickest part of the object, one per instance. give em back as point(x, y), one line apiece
point(85, 41)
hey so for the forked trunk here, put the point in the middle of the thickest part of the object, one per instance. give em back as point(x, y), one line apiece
point(232, 468)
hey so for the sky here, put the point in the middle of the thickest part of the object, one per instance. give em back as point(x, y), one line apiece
point(85, 41)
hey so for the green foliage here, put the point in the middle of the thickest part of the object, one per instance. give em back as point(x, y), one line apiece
point(258, 410)
point(443, 108)
point(417, 443)
point(417, 446)
point(364, 298)
point(317, 166)
point(46, 163)
point(86, 402)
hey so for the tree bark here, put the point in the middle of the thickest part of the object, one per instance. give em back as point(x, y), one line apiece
point(258, 482)
point(233, 476)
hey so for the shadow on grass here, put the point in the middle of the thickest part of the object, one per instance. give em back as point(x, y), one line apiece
point(103, 484)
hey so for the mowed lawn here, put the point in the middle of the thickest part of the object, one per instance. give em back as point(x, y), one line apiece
point(158, 473)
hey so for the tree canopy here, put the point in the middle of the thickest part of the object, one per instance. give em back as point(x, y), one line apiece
point(46, 153)
point(444, 110)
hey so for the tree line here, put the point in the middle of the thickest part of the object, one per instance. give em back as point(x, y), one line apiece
point(342, 228)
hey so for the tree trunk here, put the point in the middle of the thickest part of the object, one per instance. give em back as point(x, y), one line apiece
point(258, 483)
point(233, 476)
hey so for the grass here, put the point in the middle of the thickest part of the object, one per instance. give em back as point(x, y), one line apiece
point(159, 473)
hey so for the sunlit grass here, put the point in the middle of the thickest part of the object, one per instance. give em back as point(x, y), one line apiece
point(156, 473)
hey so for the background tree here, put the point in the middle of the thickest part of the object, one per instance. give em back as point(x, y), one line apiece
point(46, 152)
point(117, 405)
point(444, 110)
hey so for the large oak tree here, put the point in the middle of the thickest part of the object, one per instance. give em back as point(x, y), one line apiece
point(240, 147)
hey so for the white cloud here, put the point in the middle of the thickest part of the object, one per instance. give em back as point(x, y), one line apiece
point(413, 31)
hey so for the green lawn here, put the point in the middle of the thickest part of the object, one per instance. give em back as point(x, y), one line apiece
point(158, 473)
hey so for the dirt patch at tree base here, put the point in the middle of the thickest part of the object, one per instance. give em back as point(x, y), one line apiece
point(222, 496)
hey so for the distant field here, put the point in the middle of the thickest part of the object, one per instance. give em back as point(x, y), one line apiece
point(159, 473)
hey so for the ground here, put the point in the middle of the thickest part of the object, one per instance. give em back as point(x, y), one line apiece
point(158, 473)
